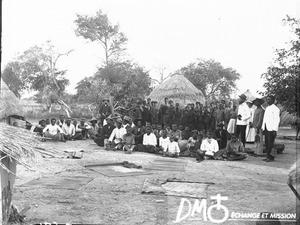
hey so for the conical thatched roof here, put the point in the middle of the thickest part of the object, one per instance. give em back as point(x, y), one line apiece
point(179, 89)
point(9, 103)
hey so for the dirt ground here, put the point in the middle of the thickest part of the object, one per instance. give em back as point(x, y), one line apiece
point(252, 186)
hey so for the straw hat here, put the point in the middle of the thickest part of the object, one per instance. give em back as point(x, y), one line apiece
point(93, 119)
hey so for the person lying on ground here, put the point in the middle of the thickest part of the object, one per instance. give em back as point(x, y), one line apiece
point(172, 149)
point(40, 127)
point(68, 130)
point(234, 150)
point(149, 142)
point(54, 131)
point(116, 136)
point(208, 148)
point(106, 131)
point(164, 140)
point(128, 141)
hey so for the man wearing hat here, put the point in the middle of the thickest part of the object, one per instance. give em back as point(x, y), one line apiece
point(116, 136)
point(242, 118)
point(105, 109)
point(93, 128)
point(105, 133)
point(257, 123)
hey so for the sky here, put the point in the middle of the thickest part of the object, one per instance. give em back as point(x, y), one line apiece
point(240, 34)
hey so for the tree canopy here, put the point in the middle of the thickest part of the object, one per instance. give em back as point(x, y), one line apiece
point(282, 77)
point(211, 77)
point(35, 70)
point(98, 28)
point(120, 80)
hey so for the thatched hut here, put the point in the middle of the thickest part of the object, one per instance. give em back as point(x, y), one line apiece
point(9, 103)
point(179, 89)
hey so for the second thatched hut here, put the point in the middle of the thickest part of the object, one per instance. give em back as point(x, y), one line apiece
point(179, 89)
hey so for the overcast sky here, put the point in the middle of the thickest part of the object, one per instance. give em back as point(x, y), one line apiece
point(241, 34)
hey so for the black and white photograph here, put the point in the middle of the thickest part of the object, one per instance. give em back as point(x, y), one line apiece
point(150, 112)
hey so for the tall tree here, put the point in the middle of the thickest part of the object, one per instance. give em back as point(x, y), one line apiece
point(282, 77)
point(98, 28)
point(120, 80)
point(36, 70)
point(211, 77)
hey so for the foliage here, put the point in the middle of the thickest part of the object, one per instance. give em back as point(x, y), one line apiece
point(282, 77)
point(35, 70)
point(11, 77)
point(98, 28)
point(211, 77)
point(120, 80)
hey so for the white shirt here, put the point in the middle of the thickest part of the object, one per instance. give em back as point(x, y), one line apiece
point(53, 130)
point(173, 147)
point(211, 147)
point(149, 139)
point(117, 133)
point(244, 111)
point(271, 118)
point(68, 130)
point(163, 142)
point(79, 124)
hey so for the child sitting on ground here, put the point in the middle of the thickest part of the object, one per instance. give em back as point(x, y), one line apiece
point(128, 141)
point(173, 149)
point(164, 141)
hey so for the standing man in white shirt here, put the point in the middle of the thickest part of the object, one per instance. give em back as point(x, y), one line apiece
point(270, 126)
point(244, 115)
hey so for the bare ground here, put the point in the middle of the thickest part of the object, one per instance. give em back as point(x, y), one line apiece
point(251, 186)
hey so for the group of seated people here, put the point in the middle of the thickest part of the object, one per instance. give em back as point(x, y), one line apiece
point(67, 129)
point(122, 134)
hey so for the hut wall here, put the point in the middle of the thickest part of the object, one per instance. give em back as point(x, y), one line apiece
point(7, 182)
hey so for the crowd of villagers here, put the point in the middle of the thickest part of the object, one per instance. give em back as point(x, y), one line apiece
point(207, 131)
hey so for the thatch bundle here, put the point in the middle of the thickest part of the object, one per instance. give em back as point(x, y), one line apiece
point(179, 89)
point(9, 103)
point(17, 143)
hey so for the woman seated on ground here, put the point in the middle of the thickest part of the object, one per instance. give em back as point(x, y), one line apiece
point(53, 131)
point(209, 147)
point(172, 149)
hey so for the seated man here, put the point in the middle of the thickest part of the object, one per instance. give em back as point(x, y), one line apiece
point(68, 130)
point(138, 131)
point(128, 141)
point(172, 149)
point(164, 141)
point(105, 133)
point(40, 127)
point(234, 150)
point(175, 132)
point(115, 139)
point(191, 151)
point(149, 142)
point(54, 131)
point(221, 135)
point(93, 128)
point(81, 130)
point(209, 147)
